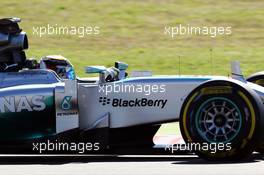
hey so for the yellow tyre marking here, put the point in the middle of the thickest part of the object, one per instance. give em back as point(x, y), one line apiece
point(216, 90)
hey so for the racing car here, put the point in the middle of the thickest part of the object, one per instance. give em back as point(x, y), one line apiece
point(46, 101)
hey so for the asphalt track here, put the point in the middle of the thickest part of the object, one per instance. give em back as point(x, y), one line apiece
point(128, 165)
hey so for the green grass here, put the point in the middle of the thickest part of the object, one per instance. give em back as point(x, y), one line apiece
point(133, 31)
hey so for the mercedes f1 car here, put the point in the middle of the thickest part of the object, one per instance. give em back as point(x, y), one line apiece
point(45, 100)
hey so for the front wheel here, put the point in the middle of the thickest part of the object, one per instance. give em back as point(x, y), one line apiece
point(219, 120)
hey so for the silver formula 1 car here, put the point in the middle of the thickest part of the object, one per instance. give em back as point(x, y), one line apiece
point(45, 100)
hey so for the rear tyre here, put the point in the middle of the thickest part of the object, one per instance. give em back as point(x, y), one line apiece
point(220, 120)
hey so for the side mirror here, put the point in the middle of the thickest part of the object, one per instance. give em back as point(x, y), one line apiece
point(122, 67)
point(95, 69)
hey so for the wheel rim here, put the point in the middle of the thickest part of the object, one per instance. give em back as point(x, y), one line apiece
point(218, 120)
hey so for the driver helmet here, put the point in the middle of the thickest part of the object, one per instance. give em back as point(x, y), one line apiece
point(58, 64)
